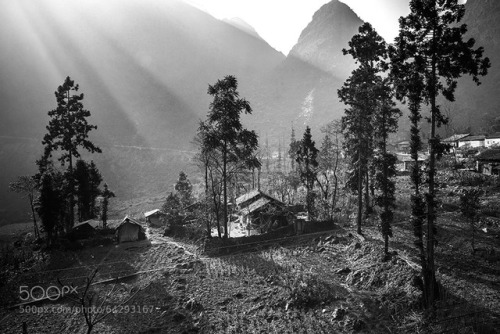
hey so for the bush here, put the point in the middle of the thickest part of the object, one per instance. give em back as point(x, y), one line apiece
point(306, 289)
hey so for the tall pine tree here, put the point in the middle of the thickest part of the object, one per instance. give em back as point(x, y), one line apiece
point(68, 130)
point(432, 37)
point(360, 92)
point(306, 158)
point(385, 122)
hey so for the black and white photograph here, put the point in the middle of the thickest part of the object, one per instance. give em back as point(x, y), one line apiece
point(249, 166)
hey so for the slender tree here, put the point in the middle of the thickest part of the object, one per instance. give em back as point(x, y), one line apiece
point(307, 161)
point(27, 186)
point(328, 165)
point(293, 148)
point(409, 81)
point(385, 122)
point(224, 133)
point(432, 37)
point(68, 130)
point(360, 93)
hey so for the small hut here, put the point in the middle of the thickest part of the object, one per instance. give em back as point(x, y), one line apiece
point(82, 230)
point(129, 230)
point(153, 218)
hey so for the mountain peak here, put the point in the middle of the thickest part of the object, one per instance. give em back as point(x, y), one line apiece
point(321, 42)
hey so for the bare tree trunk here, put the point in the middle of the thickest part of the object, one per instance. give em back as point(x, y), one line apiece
point(431, 215)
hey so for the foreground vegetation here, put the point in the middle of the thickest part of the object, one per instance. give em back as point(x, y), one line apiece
point(331, 282)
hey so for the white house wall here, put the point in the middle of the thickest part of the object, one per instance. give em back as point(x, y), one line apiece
point(492, 142)
point(471, 143)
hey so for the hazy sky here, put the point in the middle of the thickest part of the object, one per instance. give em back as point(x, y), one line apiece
point(280, 22)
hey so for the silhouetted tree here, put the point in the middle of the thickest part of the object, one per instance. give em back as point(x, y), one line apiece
point(51, 202)
point(87, 181)
point(224, 133)
point(67, 131)
point(431, 36)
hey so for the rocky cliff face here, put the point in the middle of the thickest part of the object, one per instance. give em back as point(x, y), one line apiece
point(322, 41)
point(303, 89)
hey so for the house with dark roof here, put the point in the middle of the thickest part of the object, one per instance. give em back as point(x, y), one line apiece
point(488, 161)
point(492, 140)
point(260, 212)
point(471, 141)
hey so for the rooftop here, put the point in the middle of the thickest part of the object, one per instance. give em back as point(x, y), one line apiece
point(493, 135)
point(456, 137)
point(152, 212)
point(473, 138)
point(491, 154)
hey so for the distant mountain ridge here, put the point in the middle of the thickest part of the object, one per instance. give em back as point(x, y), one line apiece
point(303, 89)
point(321, 42)
point(242, 25)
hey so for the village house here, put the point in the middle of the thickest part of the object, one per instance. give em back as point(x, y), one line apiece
point(403, 146)
point(471, 141)
point(260, 212)
point(129, 230)
point(488, 162)
point(454, 140)
point(154, 217)
point(405, 161)
point(492, 140)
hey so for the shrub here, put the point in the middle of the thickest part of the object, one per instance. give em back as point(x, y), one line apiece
point(306, 289)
